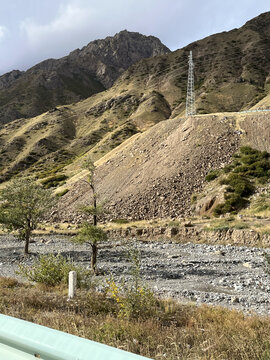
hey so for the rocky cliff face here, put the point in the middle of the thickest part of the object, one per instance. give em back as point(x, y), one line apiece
point(108, 58)
point(79, 75)
point(9, 78)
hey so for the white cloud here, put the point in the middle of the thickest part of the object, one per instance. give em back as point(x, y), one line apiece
point(3, 31)
point(53, 30)
point(70, 18)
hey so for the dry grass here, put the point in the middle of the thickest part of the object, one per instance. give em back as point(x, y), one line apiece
point(260, 206)
point(172, 331)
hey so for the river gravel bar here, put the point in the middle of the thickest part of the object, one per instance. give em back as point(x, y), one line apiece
point(225, 275)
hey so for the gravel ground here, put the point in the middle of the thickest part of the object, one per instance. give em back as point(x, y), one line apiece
point(223, 275)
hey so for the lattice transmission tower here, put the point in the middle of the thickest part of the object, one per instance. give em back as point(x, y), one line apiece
point(190, 101)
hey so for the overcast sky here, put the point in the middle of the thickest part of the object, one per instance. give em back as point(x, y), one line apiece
point(34, 30)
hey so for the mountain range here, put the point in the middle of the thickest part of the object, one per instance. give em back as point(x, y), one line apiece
point(121, 101)
point(78, 75)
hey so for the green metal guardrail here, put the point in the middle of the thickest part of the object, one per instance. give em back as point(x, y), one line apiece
point(22, 340)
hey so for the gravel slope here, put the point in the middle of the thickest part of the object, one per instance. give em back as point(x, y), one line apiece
point(229, 276)
point(154, 174)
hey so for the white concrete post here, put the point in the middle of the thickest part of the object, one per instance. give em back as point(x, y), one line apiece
point(72, 284)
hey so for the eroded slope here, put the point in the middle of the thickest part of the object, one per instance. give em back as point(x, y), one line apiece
point(154, 174)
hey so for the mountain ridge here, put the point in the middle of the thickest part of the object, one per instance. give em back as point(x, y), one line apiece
point(78, 75)
point(151, 94)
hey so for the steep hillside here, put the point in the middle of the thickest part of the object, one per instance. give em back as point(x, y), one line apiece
point(44, 144)
point(150, 91)
point(79, 75)
point(154, 174)
point(231, 70)
point(231, 74)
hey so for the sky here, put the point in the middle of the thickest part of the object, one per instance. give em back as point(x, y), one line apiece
point(34, 30)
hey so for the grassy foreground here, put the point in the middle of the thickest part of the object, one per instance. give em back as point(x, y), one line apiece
point(172, 331)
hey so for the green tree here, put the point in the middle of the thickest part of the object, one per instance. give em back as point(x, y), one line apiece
point(23, 204)
point(93, 209)
point(88, 233)
point(92, 235)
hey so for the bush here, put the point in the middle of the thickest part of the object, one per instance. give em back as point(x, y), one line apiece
point(52, 270)
point(250, 167)
point(193, 198)
point(134, 299)
point(238, 184)
point(240, 226)
point(174, 223)
point(212, 175)
point(228, 168)
point(53, 181)
point(7, 282)
point(247, 150)
point(233, 203)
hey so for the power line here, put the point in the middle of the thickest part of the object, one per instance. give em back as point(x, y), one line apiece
point(158, 82)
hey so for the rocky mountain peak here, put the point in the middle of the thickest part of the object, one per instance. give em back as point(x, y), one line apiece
point(9, 78)
point(259, 23)
point(117, 53)
point(80, 74)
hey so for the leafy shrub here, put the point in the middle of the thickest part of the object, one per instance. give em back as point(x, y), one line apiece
point(240, 226)
point(233, 203)
point(252, 162)
point(52, 270)
point(134, 299)
point(174, 223)
point(238, 184)
point(228, 168)
point(218, 228)
point(193, 198)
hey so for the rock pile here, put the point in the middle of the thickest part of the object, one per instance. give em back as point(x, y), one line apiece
point(156, 173)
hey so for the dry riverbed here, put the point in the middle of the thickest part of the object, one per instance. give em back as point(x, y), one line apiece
point(223, 275)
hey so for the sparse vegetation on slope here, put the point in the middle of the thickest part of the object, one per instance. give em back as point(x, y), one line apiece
point(74, 77)
point(153, 174)
point(250, 167)
point(53, 181)
point(150, 91)
point(231, 70)
point(260, 205)
point(46, 144)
